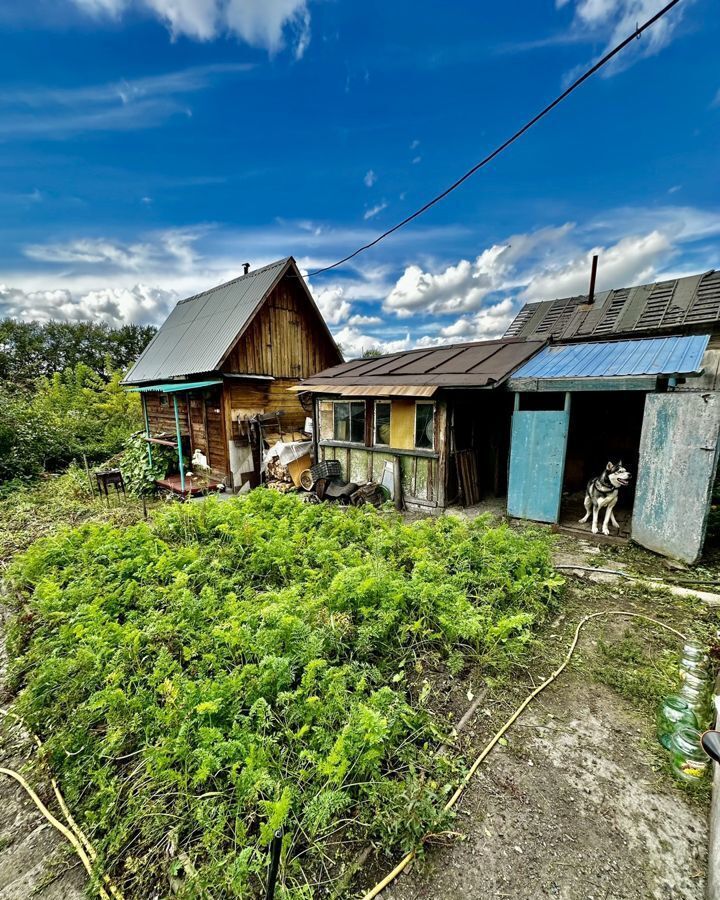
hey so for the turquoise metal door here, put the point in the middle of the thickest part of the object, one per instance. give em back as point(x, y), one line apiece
point(537, 462)
point(676, 473)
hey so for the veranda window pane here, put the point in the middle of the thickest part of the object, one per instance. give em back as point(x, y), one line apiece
point(382, 423)
point(341, 427)
point(424, 426)
point(357, 422)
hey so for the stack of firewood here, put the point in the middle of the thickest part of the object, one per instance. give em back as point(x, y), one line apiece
point(278, 477)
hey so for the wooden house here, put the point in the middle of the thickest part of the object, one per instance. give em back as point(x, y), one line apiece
point(632, 373)
point(216, 376)
point(437, 413)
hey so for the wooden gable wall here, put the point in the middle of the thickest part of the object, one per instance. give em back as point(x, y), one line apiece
point(286, 338)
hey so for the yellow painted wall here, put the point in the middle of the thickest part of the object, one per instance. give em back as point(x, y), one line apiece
point(402, 424)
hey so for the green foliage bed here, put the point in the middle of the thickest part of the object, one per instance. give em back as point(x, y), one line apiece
point(257, 663)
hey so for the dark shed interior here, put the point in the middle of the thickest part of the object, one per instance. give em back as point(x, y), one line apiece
point(605, 426)
point(479, 424)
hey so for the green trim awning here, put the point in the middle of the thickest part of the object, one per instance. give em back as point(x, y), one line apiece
point(174, 387)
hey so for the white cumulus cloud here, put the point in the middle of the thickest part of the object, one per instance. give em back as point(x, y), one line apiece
point(354, 342)
point(332, 304)
point(632, 260)
point(141, 304)
point(261, 23)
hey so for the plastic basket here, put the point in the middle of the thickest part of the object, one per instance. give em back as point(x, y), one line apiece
point(330, 468)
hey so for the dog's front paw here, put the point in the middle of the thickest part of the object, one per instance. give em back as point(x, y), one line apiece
point(594, 529)
point(582, 521)
point(606, 531)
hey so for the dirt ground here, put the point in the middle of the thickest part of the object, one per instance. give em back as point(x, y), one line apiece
point(571, 809)
point(579, 804)
point(34, 859)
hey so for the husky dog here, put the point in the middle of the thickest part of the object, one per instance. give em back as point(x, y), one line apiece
point(602, 493)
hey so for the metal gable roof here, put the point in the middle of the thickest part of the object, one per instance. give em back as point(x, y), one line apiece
point(608, 359)
point(480, 364)
point(200, 330)
point(664, 306)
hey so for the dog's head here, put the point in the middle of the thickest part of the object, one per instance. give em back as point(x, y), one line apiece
point(617, 474)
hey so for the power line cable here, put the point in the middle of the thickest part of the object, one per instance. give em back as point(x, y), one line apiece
point(639, 29)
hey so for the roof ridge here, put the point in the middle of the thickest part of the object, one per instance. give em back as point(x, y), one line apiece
point(630, 287)
point(278, 263)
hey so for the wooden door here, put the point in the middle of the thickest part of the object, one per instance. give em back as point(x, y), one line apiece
point(676, 473)
point(217, 446)
point(537, 462)
point(198, 427)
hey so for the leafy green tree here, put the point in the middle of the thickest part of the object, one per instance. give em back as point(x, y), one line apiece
point(30, 350)
point(24, 437)
point(71, 414)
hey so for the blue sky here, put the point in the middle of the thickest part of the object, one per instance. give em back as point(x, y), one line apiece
point(150, 147)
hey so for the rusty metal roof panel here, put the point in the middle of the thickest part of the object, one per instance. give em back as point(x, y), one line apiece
point(662, 306)
point(609, 359)
point(201, 329)
point(479, 364)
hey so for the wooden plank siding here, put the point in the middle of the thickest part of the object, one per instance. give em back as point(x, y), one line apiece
point(286, 338)
point(249, 398)
point(162, 417)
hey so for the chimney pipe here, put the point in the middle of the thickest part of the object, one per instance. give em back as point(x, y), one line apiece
point(246, 268)
point(593, 274)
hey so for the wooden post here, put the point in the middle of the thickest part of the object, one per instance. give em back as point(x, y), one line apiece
point(147, 426)
point(89, 477)
point(397, 483)
point(179, 444)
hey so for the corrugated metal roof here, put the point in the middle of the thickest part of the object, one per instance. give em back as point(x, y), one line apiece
point(175, 386)
point(689, 302)
point(200, 330)
point(479, 364)
point(369, 390)
point(608, 359)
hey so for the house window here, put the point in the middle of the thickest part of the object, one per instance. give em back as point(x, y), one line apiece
point(382, 423)
point(424, 426)
point(164, 400)
point(349, 421)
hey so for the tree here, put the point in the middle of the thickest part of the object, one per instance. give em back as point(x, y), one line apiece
point(30, 350)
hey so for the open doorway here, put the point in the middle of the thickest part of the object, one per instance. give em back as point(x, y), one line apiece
point(604, 426)
point(479, 424)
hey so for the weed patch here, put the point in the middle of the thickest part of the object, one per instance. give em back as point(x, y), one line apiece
point(238, 667)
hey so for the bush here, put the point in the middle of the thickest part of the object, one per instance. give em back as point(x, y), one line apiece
point(24, 437)
point(139, 473)
point(258, 663)
point(71, 414)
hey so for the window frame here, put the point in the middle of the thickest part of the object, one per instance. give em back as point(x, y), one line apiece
point(376, 442)
point(432, 405)
point(349, 404)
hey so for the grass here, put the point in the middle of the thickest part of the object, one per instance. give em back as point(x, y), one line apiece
point(242, 666)
point(32, 510)
point(640, 661)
